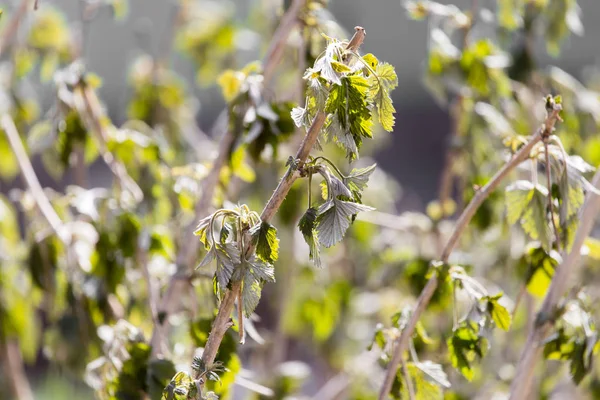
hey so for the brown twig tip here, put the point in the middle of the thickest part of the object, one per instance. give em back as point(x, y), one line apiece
point(358, 38)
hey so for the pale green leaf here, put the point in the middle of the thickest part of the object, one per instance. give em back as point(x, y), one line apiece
point(333, 220)
point(518, 197)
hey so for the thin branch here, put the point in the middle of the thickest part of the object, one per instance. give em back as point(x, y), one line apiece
point(521, 385)
point(549, 183)
point(13, 26)
point(409, 384)
point(429, 289)
point(157, 341)
point(91, 113)
point(12, 364)
point(40, 198)
point(186, 256)
point(79, 169)
point(280, 36)
point(332, 389)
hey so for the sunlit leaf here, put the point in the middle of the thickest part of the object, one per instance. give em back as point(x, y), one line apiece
point(264, 236)
point(307, 226)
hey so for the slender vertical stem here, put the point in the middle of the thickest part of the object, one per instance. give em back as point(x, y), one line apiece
point(40, 198)
point(88, 107)
point(13, 26)
point(409, 384)
point(521, 385)
point(80, 169)
point(12, 365)
point(549, 184)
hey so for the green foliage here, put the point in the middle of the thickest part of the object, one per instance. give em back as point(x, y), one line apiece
point(526, 204)
point(498, 312)
point(466, 345)
point(307, 226)
point(264, 237)
point(426, 380)
point(575, 339)
point(348, 93)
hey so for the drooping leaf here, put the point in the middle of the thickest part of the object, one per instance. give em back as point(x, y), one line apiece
point(518, 197)
point(357, 180)
point(307, 226)
point(256, 274)
point(381, 85)
point(526, 203)
point(464, 346)
point(333, 219)
point(435, 372)
point(538, 267)
point(227, 256)
point(264, 237)
point(498, 312)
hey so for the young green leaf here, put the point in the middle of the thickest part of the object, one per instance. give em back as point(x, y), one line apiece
point(424, 386)
point(526, 203)
point(464, 346)
point(435, 372)
point(307, 226)
point(381, 85)
point(358, 179)
point(227, 256)
point(325, 64)
point(255, 274)
point(333, 219)
point(264, 237)
point(538, 266)
point(498, 312)
point(348, 104)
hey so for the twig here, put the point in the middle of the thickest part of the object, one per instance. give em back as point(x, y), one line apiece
point(333, 387)
point(427, 292)
point(36, 4)
point(521, 385)
point(275, 50)
point(12, 364)
point(40, 198)
point(80, 169)
point(157, 341)
point(549, 183)
point(13, 26)
point(446, 180)
point(409, 384)
point(91, 113)
point(185, 257)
